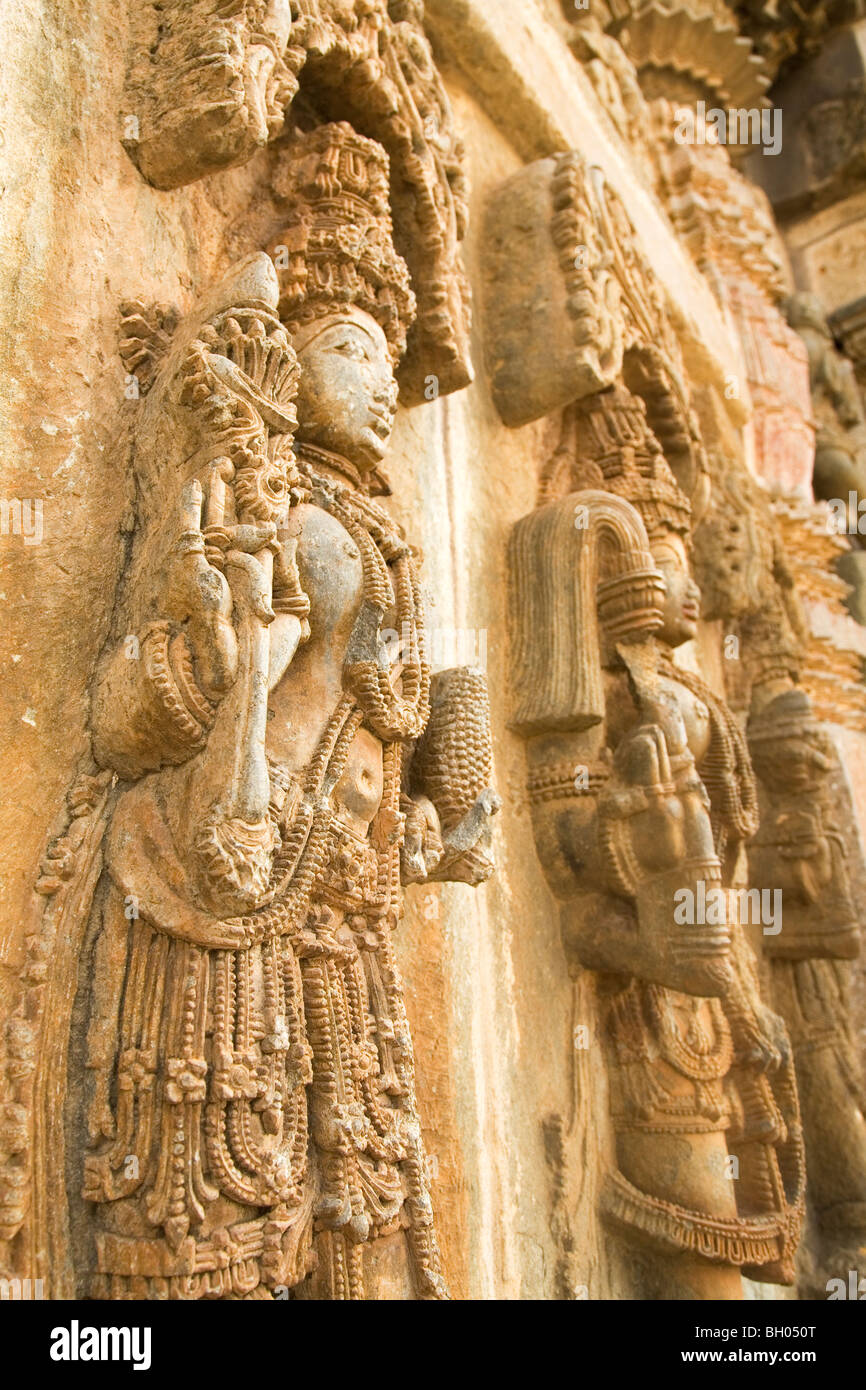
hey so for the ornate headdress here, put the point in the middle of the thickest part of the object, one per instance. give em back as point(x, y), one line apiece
point(607, 443)
point(338, 239)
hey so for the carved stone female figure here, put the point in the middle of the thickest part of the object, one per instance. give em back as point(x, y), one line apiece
point(251, 1123)
point(642, 795)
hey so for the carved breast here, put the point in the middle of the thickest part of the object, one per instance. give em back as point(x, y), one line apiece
point(696, 718)
point(675, 709)
point(307, 695)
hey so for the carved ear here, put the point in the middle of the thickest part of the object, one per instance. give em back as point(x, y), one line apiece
point(378, 483)
point(145, 335)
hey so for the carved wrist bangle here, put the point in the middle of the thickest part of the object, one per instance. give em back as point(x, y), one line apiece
point(180, 659)
point(555, 781)
point(183, 725)
point(190, 543)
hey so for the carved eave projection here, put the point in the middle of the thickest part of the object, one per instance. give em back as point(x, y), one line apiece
point(688, 50)
point(212, 81)
point(579, 306)
point(787, 31)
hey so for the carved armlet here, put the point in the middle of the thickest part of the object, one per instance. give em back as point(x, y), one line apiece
point(557, 781)
point(148, 709)
point(565, 780)
point(182, 713)
point(289, 595)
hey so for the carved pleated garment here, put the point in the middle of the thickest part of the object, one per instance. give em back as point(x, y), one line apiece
point(251, 1104)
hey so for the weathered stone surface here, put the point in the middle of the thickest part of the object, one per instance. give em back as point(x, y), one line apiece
point(239, 521)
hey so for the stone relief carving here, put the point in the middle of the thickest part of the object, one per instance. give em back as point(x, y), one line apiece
point(642, 786)
point(578, 306)
point(831, 671)
point(784, 29)
point(610, 70)
point(758, 555)
point(839, 472)
point(616, 439)
point(840, 444)
point(685, 50)
point(820, 84)
point(206, 1076)
point(727, 226)
point(848, 326)
point(807, 847)
point(227, 889)
point(806, 844)
point(700, 183)
point(747, 582)
point(210, 83)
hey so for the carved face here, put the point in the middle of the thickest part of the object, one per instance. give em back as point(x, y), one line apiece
point(347, 396)
point(682, 605)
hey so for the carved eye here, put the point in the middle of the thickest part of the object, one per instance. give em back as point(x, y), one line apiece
point(349, 348)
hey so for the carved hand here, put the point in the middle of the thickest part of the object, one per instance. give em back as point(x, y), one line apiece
point(421, 850)
point(199, 596)
point(251, 579)
point(760, 1036)
point(762, 1039)
point(228, 621)
point(288, 630)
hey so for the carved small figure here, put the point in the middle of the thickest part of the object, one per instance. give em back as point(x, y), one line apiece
point(840, 446)
point(807, 844)
point(643, 852)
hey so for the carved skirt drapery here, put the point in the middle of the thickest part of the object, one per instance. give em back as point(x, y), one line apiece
point(248, 1099)
point(675, 1071)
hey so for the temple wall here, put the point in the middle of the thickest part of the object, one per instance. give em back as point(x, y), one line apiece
point(513, 1112)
